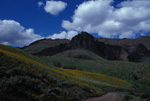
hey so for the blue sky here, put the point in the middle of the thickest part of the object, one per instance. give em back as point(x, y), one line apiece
point(24, 21)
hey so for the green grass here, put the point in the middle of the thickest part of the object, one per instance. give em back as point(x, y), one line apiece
point(135, 73)
point(14, 50)
point(17, 66)
point(79, 54)
point(25, 79)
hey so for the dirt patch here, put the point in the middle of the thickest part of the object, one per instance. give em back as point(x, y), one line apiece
point(106, 97)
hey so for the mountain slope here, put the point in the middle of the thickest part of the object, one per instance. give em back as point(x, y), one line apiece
point(87, 42)
point(110, 52)
point(28, 79)
point(145, 40)
point(79, 54)
point(39, 45)
point(135, 73)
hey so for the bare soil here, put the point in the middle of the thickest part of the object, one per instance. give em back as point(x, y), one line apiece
point(106, 97)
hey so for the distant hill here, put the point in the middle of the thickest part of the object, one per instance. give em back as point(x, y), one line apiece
point(145, 40)
point(118, 51)
point(39, 45)
point(88, 42)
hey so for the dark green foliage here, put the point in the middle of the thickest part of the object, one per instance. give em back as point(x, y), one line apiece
point(127, 97)
point(18, 82)
point(69, 66)
point(57, 64)
point(135, 73)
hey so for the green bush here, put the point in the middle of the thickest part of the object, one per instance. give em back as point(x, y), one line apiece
point(57, 64)
point(20, 84)
point(69, 66)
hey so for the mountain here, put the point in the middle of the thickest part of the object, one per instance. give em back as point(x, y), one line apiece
point(49, 42)
point(107, 51)
point(39, 45)
point(145, 40)
point(88, 42)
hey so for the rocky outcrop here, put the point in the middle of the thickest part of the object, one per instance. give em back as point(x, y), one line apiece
point(138, 53)
point(145, 40)
point(86, 41)
point(83, 40)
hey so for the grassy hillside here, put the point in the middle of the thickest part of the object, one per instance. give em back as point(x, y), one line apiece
point(79, 54)
point(14, 50)
point(135, 73)
point(24, 78)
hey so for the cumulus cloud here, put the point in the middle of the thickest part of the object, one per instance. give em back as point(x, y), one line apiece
point(100, 16)
point(40, 3)
point(12, 33)
point(63, 35)
point(55, 7)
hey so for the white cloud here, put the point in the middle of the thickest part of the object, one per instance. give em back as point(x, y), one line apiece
point(135, 3)
point(40, 3)
point(100, 16)
point(89, 14)
point(12, 33)
point(55, 7)
point(63, 35)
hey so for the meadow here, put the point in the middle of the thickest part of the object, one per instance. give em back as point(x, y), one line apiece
point(55, 77)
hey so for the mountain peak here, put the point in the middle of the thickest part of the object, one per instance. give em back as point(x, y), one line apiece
point(83, 40)
point(86, 35)
point(83, 35)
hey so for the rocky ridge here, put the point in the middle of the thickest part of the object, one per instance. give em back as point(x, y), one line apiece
point(86, 41)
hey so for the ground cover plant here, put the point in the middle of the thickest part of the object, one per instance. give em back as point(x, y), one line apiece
point(135, 73)
point(45, 81)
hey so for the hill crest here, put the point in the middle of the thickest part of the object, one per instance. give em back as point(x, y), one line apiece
point(107, 48)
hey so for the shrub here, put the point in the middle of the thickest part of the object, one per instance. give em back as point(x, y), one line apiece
point(69, 67)
point(57, 64)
